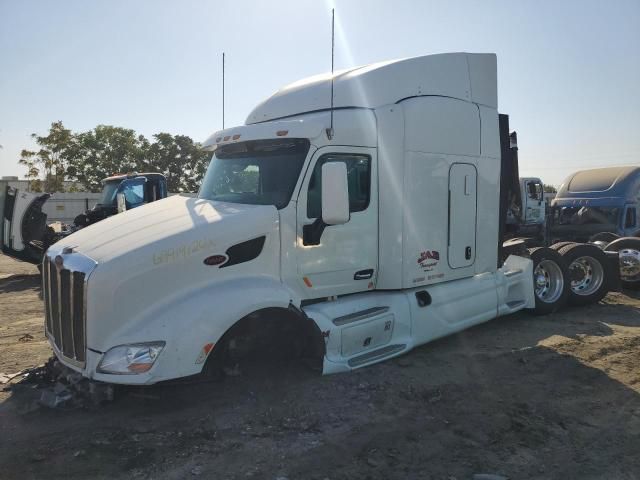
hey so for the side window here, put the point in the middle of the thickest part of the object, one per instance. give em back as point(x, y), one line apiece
point(534, 191)
point(358, 176)
point(134, 195)
point(630, 218)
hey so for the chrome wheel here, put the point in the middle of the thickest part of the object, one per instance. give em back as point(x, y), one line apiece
point(549, 282)
point(629, 264)
point(587, 275)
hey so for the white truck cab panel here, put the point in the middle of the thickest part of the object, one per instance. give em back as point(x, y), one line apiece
point(345, 259)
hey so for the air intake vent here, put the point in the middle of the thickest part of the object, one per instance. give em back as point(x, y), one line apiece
point(244, 252)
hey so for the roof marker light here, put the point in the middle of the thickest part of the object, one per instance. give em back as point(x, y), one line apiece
point(282, 133)
point(236, 136)
point(227, 138)
point(218, 139)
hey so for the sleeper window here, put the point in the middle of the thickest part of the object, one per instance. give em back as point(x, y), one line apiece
point(358, 176)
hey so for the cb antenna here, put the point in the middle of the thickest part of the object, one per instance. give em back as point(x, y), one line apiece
point(333, 21)
point(223, 90)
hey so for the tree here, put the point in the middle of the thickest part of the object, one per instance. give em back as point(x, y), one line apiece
point(89, 157)
point(51, 159)
point(29, 160)
point(178, 158)
point(105, 151)
point(550, 189)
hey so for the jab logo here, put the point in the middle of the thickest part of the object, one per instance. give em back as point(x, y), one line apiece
point(429, 255)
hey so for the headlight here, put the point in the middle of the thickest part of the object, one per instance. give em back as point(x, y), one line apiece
point(130, 359)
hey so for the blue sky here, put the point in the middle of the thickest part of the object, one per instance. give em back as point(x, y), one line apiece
point(568, 72)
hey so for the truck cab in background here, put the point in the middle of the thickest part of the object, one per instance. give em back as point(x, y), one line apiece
point(602, 206)
point(24, 233)
point(533, 201)
point(527, 218)
point(601, 200)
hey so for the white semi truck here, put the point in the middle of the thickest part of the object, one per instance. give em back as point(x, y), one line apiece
point(348, 230)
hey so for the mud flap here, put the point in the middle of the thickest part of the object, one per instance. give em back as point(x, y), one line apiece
point(613, 271)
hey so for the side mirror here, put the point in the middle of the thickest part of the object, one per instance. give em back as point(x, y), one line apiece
point(335, 193)
point(122, 204)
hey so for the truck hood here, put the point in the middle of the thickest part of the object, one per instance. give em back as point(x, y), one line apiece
point(153, 257)
point(169, 223)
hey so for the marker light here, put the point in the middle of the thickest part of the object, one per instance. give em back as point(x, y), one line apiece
point(282, 133)
point(227, 138)
point(236, 136)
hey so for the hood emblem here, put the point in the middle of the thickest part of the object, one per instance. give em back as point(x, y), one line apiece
point(215, 260)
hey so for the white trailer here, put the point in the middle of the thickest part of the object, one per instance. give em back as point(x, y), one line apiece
point(351, 231)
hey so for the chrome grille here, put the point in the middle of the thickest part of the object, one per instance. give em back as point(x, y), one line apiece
point(64, 300)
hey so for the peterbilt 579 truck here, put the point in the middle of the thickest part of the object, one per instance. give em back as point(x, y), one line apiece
point(345, 230)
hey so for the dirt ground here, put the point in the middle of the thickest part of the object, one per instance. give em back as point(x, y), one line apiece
point(554, 397)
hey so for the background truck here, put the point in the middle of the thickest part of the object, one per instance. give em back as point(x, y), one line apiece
point(526, 206)
point(354, 217)
point(25, 234)
point(601, 205)
point(527, 216)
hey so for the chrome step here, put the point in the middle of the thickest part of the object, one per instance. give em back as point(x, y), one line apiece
point(516, 304)
point(376, 355)
point(511, 273)
point(361, 315)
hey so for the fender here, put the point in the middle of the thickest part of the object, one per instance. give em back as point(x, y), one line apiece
point(189, 323)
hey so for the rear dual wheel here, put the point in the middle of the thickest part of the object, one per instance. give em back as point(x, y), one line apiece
point(628, 249)
point(559, 245)
point(549, 274)
point(588, 273)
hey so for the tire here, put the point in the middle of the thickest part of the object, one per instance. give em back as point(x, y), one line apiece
point(559, 245)
point(628, 249)
point(589, 274)
point(550, 274)
point(607, 237)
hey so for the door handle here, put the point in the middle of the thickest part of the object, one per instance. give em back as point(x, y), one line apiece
point(363, 274)
point(467, 253)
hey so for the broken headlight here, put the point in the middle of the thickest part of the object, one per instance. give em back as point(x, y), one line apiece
point(130, 359)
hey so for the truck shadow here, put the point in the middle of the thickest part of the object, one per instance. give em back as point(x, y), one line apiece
point(499, 396)
point(20, 283)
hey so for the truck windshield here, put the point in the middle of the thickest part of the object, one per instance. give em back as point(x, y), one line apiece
point(257, 172)
point(586, 215)
point(109, 191)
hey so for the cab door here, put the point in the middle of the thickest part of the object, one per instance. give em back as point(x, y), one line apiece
point(343, 258)
point(534, 202)
point(462, 214)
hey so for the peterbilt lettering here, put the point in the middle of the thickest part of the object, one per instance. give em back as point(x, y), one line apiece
point(182, 252)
